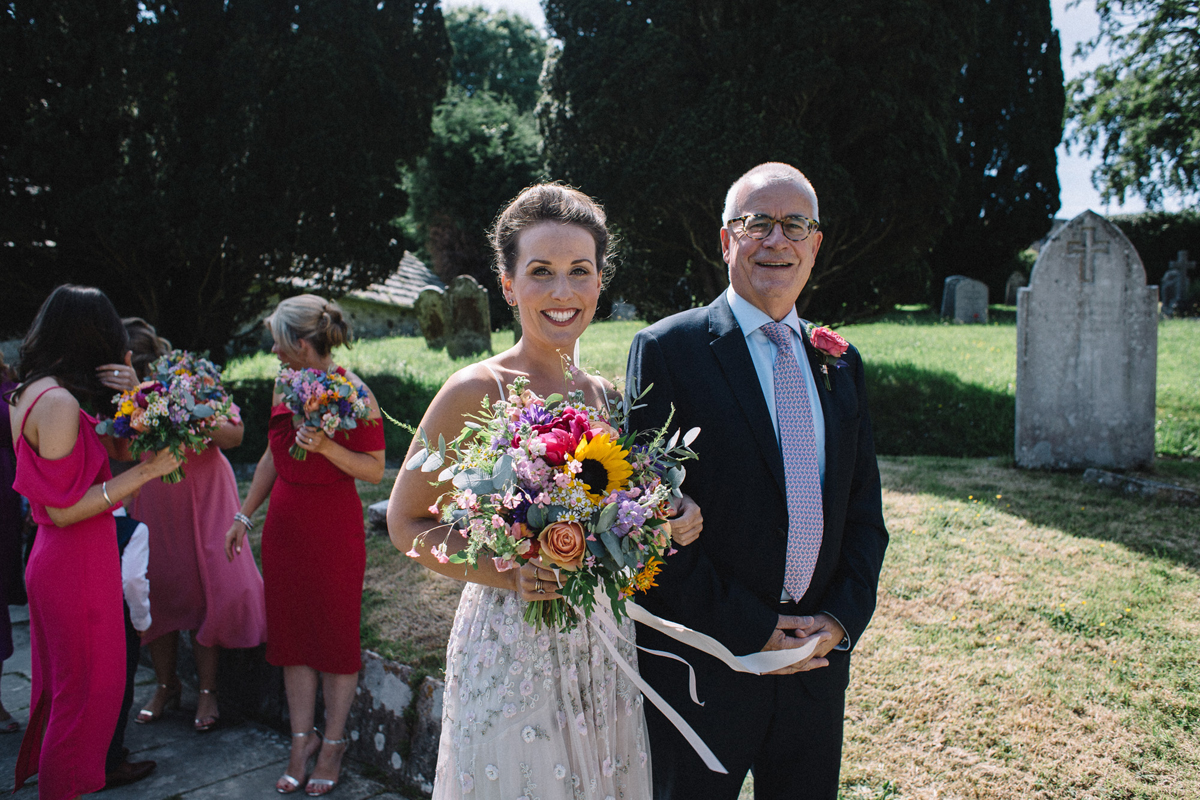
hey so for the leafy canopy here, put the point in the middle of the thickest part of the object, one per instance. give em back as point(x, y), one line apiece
point(197, 158)
point(1141, 111)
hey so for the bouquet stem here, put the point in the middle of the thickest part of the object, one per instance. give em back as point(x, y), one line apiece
point(555, 614)
point(299, 453)
point(174, 476)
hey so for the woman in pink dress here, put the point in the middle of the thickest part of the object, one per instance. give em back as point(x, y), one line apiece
point(193, 585)
point(76, 625)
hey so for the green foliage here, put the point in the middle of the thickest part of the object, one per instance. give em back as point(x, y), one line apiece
point(1158, 237)
point(497, 52)
point(1010, 121)
point(482, 152)
point(657, 107)
point(193, 159)
point(1141, 111)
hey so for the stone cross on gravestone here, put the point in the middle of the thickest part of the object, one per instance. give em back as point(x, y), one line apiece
point(1087, 246)
point(1182, 263)
point(1175, 283)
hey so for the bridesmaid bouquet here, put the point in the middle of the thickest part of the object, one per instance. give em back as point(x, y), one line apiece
point(178, 407)
point(561, 481)
point(320, 399)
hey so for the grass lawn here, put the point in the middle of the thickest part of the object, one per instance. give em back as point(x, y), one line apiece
point(1035, 636)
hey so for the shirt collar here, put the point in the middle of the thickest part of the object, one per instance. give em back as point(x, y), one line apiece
point(750, 317)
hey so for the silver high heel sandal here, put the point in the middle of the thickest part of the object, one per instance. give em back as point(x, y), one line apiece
point(286, 783)
point(318, 787)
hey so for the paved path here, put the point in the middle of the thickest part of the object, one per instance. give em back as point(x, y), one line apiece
point(239, 761)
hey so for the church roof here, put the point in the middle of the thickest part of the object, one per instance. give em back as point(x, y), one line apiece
point(402, 286)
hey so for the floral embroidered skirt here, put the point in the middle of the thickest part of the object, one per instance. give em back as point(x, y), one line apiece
point(537, 714)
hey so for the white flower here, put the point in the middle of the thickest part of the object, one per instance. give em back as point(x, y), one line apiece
point(468, 783)
point(510, 711)
point(581, 724)
point(492, 771)
point(526, 687)
point(606, 767)
point(562, 719)
point(528, 734)
point(560, 771)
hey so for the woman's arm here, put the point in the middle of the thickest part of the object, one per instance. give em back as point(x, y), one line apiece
point(260, 486)
point(228, 435)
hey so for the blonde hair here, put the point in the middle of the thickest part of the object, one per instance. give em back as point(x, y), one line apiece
point(318, 321)
point(145, 343)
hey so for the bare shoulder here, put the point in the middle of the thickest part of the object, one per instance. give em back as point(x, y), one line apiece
point(52, 426)
point(466, 388)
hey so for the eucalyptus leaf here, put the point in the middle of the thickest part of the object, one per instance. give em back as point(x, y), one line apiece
point(475, 426)
point(674, 441)
point(447, 473)
point(474, 479)
point(596, 547)
point(614, 547)
point(535, 517)
point(202, 412)
point(554, 398)
point(441, 445)
point(690, 437)
point(417, 460)
point(608, 515)
point(435, 461)
point(502, 470)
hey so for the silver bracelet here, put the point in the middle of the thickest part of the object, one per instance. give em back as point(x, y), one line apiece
point(104, 491)
point(242, 518)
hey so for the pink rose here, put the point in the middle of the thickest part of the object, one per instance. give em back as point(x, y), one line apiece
point(562, 544)
point(828, 342)
point(559, 444)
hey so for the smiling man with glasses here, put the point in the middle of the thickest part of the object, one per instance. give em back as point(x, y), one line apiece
point(787, 481)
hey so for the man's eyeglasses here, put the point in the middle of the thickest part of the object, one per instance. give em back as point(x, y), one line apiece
point(759, 226)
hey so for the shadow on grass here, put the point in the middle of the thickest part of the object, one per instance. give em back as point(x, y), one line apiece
point(1062, 501)
point(917, 411)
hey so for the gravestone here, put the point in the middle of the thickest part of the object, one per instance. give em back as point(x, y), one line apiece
point(1015, 281)
point(1176, 284)
point(470, 328)
point(1087, 349)
point(430, 307)
point(949, 294)
point(970, 301)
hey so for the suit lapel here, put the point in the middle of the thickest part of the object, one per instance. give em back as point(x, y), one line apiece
point(729, 347)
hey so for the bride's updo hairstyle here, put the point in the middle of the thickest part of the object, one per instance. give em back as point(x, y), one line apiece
point(315, 319)
point(146, 344)
point(550, 202)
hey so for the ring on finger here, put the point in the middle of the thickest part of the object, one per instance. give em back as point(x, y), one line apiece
point(537, 586)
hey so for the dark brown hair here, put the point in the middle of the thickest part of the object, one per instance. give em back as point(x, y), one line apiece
point(550, 202)
point(145, 343)
point(76, 330)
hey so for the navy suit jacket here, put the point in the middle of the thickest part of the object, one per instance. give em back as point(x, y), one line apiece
point(728, 583)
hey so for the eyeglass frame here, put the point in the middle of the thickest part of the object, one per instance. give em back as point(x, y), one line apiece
point(813, 226)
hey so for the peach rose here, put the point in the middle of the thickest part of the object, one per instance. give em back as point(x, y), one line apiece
point(599, 427)
point(562, 544)
point(136, 422)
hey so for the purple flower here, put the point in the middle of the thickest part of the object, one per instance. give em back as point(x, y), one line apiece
point(536, 415)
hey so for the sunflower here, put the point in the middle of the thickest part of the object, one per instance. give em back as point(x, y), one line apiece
point(604, 466)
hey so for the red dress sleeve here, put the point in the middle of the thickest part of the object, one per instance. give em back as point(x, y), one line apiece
point(61, 482)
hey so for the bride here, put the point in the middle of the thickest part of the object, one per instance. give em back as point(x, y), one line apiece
point(531, 713)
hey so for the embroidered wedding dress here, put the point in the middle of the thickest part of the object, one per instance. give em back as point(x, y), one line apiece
point(542, 715)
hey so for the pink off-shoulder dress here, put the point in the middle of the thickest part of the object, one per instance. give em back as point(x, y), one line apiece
point(76, 623)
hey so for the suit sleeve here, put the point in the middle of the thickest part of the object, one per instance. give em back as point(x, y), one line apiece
point(690, 589)
point(851, 595)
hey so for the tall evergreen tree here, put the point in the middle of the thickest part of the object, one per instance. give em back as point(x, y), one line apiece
point(1009, 126)
point(657, 106)
point(195, 158)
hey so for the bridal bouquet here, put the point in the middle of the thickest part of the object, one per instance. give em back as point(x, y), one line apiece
point(561, 481)
point(177, 408)
point(320, 399)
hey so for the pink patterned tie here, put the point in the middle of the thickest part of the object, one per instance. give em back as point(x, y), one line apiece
point(806, 517)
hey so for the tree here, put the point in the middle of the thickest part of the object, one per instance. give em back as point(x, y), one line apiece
point(656, 107)
point(484, 147)
point(1141, 111)
point(1009, 126)
point(195, 159)
point(497, 52)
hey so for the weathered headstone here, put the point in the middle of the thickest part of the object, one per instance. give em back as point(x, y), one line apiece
point(1176, 283)
point(970, 301)
point(470, 330)
point(431, 314)
point(1015, 281)
point(949, 289)
point(1087, 348)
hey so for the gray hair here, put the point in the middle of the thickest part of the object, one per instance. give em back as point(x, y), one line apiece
point(762, 175)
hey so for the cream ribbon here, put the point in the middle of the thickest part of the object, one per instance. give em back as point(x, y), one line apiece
point(603, 623)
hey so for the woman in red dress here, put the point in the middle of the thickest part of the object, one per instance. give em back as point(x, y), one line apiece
point(313, 546)
point(76, 626)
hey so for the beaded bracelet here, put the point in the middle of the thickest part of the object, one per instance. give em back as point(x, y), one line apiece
point(242, 518)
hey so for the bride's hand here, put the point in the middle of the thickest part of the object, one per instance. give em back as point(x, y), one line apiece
point(537, 582)
point(687, 523)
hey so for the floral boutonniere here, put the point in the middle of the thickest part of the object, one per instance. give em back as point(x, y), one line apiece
point(831, 347)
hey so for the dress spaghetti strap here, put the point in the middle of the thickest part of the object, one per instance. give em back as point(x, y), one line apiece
point(499, 385)
point(21, 430)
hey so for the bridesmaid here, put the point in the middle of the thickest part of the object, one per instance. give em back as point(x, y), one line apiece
point(193, 586)
point(313, 546)
point(76, 626)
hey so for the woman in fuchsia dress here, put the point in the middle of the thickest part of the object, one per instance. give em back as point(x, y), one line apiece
point(76, 624)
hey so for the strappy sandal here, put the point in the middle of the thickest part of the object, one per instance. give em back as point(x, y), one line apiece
point(207, 723)
point(286, 783)
point(146, 716)
point(318, 787)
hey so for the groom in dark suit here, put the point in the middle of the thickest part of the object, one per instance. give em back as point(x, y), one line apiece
point(787, 481)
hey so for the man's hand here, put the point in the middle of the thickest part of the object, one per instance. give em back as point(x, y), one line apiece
point(793, 632)
point(822, 622)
